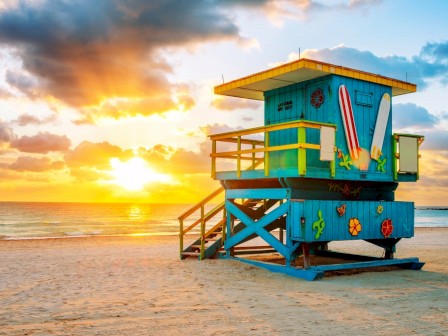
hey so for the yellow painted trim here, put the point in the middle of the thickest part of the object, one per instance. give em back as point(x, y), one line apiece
point(268, 128)
point(398, 87)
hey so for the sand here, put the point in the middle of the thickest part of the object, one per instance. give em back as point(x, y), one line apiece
point(138, 286)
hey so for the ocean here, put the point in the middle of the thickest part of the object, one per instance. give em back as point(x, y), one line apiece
point(30, 220)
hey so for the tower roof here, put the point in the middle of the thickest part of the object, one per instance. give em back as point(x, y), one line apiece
point(254, 86)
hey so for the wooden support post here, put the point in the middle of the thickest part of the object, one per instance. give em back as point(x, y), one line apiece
point(253, 156)
point(394, 157)
point(266, 154)
point(213, 159)
point(202, 252)
point(306, 255)
point(388, 254)
point(232, 225)
point(301, 152)
point(333, 168)
point(238, 160)
point(333, 162)
point(281, 233)
point(181, 238)
point(229, 231)
point(224, 226)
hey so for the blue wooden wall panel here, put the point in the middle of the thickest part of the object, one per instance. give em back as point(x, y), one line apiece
point(337, 227)
point(365, 120)
point(289, 103)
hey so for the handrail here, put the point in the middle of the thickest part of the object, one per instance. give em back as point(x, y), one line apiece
point(200, 203)
point(264, 146)
point(207, 217)
point(204, 218)
point(270, 128)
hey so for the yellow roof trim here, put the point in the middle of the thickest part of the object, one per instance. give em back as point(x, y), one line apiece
point(254, 86)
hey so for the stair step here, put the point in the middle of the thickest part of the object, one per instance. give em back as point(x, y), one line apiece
point(212, 239)
point(190, 254)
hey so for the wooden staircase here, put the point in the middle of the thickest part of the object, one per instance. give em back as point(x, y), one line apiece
point(210, 235)
point(211, 227)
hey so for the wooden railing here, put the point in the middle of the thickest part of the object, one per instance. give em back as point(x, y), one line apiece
point(264, 147)
point(203, 219)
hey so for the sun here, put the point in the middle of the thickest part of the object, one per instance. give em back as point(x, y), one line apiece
point(134, 174)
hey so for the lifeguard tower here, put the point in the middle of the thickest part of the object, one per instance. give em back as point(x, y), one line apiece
point(324, 167)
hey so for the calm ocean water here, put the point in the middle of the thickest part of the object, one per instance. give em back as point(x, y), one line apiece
point(40, 220)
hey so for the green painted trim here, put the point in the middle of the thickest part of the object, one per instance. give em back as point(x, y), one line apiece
point(266, 154)
point(394, 156)
point(213, 159)
point(301, 152)
point(238, 160)
point(409, 135)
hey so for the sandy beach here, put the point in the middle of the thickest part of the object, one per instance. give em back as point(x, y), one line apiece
point(138, 286)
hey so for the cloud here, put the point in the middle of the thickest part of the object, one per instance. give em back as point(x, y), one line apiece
point(166, 159)
point(27, 119)
point(6, 133)
point(231, 103)
point(97, 155)
point(22, 82)
point(435, 52)
point(4, 93)
point(218, 128)
point(85, 53)
point(43, 143)
point(277, 10)
point(436, 140)
point(430, 64)
point(412, 116)
point(90, 161)
point(33, 164)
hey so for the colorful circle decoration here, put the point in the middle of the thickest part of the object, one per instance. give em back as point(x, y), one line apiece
point(317, 98)
point(387, 228)
point(354, 226)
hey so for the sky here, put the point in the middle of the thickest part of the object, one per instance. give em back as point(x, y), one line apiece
point(112, 100)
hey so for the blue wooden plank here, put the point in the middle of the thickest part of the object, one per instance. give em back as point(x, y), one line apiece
point(252, 226)
point(274, 242)
point(366, 264)
point(271, 193)
point(309, 275)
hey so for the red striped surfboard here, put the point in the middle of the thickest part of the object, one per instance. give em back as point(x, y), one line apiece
point(349, 123)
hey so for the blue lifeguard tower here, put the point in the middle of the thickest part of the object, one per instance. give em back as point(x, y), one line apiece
point(324, 167)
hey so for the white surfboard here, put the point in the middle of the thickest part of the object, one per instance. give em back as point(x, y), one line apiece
point(380, 127)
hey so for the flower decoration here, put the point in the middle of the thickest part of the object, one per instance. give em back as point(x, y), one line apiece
point(379, 209)
point(341, 210)
point(354, 226)
point(387, 228)
point(317, 98)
